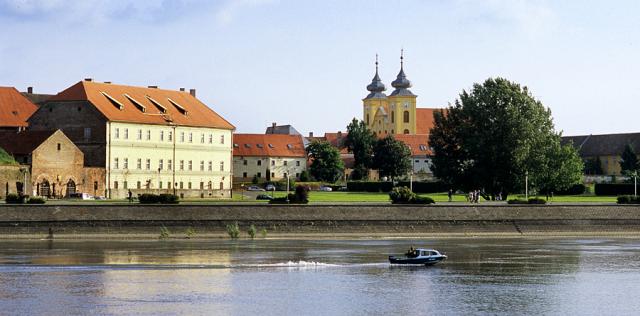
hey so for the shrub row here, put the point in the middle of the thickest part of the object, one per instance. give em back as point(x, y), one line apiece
point(301, 196)
point(148, 198)
point(13, 198)
point(614, 189)
point(576, 189)
point(418, 187)
point(426, 187)
point(628, 199)
point(403, 195)
point(530, 201)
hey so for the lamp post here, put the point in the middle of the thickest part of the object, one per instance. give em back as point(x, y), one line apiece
point(287, 187)
point(411, 181)
point(526, 185)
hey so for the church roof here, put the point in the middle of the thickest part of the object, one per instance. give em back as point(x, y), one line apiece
point(424, 120)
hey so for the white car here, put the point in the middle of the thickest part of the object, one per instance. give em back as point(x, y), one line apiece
point(325, 189)
point(254, 188)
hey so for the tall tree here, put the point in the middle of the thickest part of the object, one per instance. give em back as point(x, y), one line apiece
point(360, 141)
point(326, 164)
point(593, 166)
point(391, 157)
point(495, 135)
point(629, 160)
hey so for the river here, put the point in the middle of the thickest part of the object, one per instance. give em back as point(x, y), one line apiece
point(507, 276)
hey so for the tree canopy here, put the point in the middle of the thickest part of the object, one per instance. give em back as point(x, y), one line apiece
point(360, 141)
point(495, 135)
point(6, 159)
point(628, 160)
point(391, 157)
point(593, 166)
point(326, 164)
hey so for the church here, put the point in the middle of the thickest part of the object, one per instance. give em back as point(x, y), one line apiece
point(396, 113)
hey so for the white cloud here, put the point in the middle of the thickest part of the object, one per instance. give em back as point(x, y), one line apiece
point(230, 10)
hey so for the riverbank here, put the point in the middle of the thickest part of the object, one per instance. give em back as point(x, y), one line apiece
point(316, 221)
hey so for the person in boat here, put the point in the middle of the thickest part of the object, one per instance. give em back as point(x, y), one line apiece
point(412, 253)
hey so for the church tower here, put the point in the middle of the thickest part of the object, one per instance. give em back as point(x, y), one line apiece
point(375, 105)
point(402, 104)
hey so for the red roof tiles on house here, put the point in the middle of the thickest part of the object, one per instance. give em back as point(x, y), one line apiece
point(419, 144)
point(424, 120)
point(15, 109)
point(268, 145)
point(144, 105)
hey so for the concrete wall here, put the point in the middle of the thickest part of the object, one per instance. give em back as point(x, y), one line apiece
point(334, 220)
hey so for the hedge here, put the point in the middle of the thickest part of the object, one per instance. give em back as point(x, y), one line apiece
point(530, 201)
point(628, 199)
point(425, 187)
point(614, 189)
point(148, 198)
point(369, 186)
point(576, 189)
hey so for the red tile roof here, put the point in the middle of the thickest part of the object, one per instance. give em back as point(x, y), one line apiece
point(419, 144)
point(337, 140)
point(23, 143)
point(123, 109)
point(424, 120)
point(15, 109)
point(268, 145)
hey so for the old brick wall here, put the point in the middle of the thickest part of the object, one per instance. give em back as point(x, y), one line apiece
point(58, 161)
point(10, 175)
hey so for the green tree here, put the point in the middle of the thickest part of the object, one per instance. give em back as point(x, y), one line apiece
point(496, 134)
point(304, 176)
point(326, 164)
point(593, 166)
point(6, 159)
point(360, 141)
point(628, 160)
point(391, 157)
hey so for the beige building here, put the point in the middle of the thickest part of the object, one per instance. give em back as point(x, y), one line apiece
point(268, 157)
point(148, 140)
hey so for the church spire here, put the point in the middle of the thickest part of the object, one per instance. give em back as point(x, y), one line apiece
point(376, 87)
point(402, 84)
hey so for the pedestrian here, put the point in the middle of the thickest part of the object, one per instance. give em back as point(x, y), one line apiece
point(450, 195)
point(130, 197)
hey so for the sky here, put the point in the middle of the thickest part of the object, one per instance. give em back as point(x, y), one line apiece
point(307, 63)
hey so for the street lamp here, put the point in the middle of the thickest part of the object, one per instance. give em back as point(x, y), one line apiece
point(287, 187)
point(526, 185)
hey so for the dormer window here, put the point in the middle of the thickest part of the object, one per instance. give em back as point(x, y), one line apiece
point(179, 107)
point(423, 147)
point(160, 107)
point(113, 101)
point(236, 146)
point(259, 146)
point(289, 146)
point(135, 102)
point(271, 146)
point(247, 145)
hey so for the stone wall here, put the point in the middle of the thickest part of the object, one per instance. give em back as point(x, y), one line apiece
point(334, 220)
point(10, 176)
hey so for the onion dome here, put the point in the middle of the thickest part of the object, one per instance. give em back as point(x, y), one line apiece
point(402, 84)
point(376, 87)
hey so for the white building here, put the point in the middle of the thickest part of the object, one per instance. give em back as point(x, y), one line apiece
point(268, 157)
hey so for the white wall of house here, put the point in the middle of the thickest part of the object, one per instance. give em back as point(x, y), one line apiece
point(196, 161)
point(245, 168)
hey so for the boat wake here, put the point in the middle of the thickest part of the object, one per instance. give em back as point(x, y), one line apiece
point(288, 264)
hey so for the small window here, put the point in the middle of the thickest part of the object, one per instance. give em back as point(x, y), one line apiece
point(159, 106)
point(87, 133)
point(58, 146)
point(202, 165)
point(170, 136)
point(236, 146)
point(182, 137)
point(126, 163)
point(115, 184)
point(126, 133)
point(259, 146)
point(406, 131)
point(259, 175)
point(221, 139)
point(148, 134)
point(210, 138)
point(289, 146)
point(139, 134)
point(271, 146)
point(406, 116)
point(259, 162)
point(116, 163)
point(297, 163)
point(191, 137)
point(244, 162)
point(210, 166)
point(202, 138)
point(178, 107)
point(181, 164)
point(139, 164)
point(284, 163)
point(169, 165)
point(190, 165)
point(117, 134)
point(113, 101)
point(244, 174)
point(247, 145)
point(160, 164)
point(161, 136)
point(135, 102)
point(221, 165)
point(423, 147)
point(148, 164)
point(138, 185)
point(273, 162)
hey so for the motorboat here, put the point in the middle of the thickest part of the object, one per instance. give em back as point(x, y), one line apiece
point(419, 256)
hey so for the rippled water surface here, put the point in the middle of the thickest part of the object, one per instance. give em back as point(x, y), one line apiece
point(319, 277)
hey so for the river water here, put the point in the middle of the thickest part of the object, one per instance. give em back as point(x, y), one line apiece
point(517, 276)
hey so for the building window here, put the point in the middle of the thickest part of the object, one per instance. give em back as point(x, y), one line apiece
point(191, 137)
point(87, 133)
point(125, 185)
point(393, 116)
point(148, 164)
point(160, 185)
point(202, 138)
point(181, 185)
point(201, 185)
point(273, 175)
point(148, 134)
point(284, 163)
point(259, 162)
point(190, 165)
point(59, 146)
point(367, 119)
point(181, 164)
point(201, 165)
point(244, 162)
point(189, 185)
point(221, 139)
point(298, 163)
point(391, 131)
point(209, 185)
point(160, 164)
point(273, 162)
point(210, 166)
point(115, 163)
point(182, 137)
point(259, 175)
point(406, 131)
point(221, 185)
point(169, 164)
point(406, 116)
point(117, 133)
point(115, 184)
point(170, 136)
point(139, 164)
point(244, 174)
point(168, 185)
point(161, 136)
point(210, 138)
point(126, 163)
point(138, 185)
point(221, 165)
point(126, 133)
point(297, 175)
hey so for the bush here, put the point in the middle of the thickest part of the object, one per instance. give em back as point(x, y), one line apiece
point(304, 176)
point(35, 200)
point(282, 184)
point(530, 201)
point(13, 198)
point(518, 201)
point(147, 198)
point(301, 196)
point(369, 186)
point(233, 230)
point(252, 231)
point(166, 198)
point(613, 189)
point(164, 232)
point(628, 199)
point(403, 195)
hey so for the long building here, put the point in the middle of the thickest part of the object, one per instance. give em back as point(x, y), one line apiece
point(268, 157)
point(145, 139)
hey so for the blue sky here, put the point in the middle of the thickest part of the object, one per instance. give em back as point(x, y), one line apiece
point(307, 63)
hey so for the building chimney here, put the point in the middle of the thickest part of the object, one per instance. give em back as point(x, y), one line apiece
point(274, 124)
point(339, 134)
point(182, 89)
point(152, 87)
point(30, 90)
point(88, 79)
point(107, 82)
point(192, 92)
point(310, 134)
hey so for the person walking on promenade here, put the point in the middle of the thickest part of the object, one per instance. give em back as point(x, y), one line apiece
point(450, 194)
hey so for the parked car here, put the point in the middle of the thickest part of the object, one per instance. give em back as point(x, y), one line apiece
point(270, 187)
point(343, 189)
point(254, 188)
point(325, 188)
point(263, 197)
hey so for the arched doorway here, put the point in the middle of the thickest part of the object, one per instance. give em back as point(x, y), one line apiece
point(44, 189)
point(71, 188)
